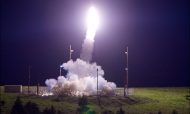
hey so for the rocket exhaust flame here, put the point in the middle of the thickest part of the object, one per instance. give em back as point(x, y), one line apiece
point(92, 26)
point(92, 23)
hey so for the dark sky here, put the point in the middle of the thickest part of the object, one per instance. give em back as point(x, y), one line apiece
point(39, 32)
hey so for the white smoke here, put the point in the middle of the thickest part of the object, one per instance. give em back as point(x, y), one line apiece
point(82, 69)
point(50, 83)
point(82, 75)
point(87, 49)
point(82, 78)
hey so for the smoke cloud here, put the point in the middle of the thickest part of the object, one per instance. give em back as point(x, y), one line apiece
point(50, 83)
point(81, 77)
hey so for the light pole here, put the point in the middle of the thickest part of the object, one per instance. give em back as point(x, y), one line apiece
point(60, 69)
point(126, 69)
point(98, 97)
point(70, 52)
point(97, 81)
point(28, 79)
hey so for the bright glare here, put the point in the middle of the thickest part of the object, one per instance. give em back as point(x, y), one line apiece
point(92, 23)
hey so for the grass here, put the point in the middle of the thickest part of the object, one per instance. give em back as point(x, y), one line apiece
point(143, 101)
point(163, 99)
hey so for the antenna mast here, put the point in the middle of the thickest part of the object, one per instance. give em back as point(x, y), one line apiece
point(28, 79)
point(126, 69)
point(70, 52)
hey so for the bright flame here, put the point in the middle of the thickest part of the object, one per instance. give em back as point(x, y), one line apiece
point(92, 23)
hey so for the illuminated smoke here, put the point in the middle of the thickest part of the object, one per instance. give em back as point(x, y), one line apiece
point(50, 83)
point(92, 26)
point(93, 22)
point(87, 49)
point(81, 77)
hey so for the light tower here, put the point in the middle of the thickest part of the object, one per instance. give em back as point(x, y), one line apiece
point(98, 98)
point(126, 79)
point(60, 69)
point(97, 82)
point(70, 52)
point(29, 79)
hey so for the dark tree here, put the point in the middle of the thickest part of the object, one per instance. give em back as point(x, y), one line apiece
point(52, 110)
point(18, 107)
point(32, 108)
point(59, 112)
point(107, 112)
point(49, 110)
point(120, 111)
point(83, 101)
point(2, 103)
point(159, 112)
point(46, 111)
point(174, 112)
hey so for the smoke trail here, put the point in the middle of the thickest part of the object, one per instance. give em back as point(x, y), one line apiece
point(87, 50)
point(92, 26)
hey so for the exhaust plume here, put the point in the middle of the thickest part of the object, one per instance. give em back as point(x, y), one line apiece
point(87, 50)
point(92, 26)
point(82, 75)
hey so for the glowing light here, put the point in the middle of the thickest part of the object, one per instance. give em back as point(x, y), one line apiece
point(92, 23)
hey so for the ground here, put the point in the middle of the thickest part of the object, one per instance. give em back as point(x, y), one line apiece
point(143, 100)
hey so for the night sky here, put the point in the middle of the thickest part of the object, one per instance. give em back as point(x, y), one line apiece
point(39, 32)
